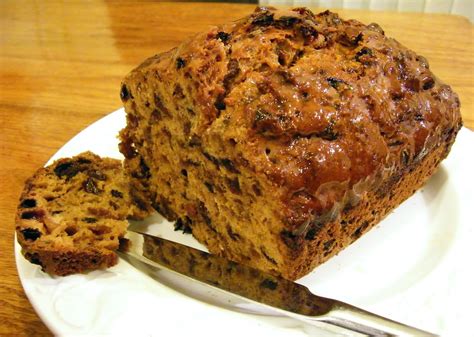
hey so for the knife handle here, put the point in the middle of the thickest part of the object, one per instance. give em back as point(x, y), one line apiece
point(355, 319)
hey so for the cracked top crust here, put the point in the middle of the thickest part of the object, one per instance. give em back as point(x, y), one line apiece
point(324, 108)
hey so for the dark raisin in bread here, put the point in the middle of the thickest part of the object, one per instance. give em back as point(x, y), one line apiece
point(73, 214)
point(283, 137)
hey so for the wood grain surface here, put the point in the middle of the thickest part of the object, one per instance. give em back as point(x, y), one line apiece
point(61, 63)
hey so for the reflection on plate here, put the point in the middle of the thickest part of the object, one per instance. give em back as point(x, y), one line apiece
point(412, 267)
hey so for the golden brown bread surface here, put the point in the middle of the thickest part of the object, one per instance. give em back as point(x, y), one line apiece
point(283, 137)
point(73, 214)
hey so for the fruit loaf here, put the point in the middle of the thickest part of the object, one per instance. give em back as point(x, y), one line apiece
point(281, 138)
point(73, 214)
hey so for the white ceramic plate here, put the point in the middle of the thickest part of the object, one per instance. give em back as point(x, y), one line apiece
point(415, 267)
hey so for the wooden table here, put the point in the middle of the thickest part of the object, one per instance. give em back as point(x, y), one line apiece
point(60, 69)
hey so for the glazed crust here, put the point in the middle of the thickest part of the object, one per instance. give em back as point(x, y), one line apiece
point(72, 215)
point(265, 136)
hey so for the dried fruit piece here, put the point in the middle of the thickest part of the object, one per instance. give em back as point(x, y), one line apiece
point(28, 203)
point(90, 186)
point(31, 234)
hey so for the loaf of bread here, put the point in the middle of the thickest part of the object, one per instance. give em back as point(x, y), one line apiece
point(281, 138)
point(73, 214)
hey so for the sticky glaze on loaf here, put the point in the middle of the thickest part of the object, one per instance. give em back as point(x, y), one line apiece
point(283, 137)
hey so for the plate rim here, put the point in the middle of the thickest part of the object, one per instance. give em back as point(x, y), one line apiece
point(50, 323)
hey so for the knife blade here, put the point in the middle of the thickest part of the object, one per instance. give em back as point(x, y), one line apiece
point(282, 295)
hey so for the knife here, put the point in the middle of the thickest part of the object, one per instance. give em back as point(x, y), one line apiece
point(258, 287)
